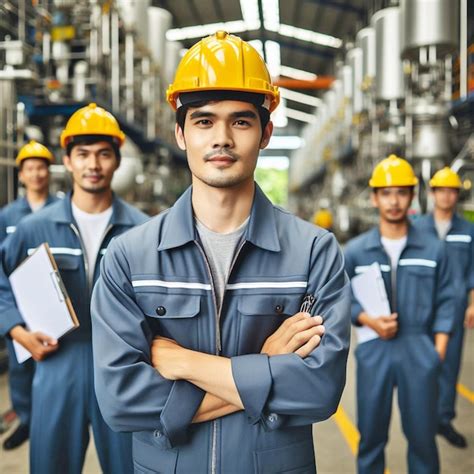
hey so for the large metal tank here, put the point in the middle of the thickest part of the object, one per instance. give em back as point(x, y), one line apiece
point(354, 60)
point(159, 22)
point(429, 23)
point(365, 39)
point(173, 57)
point(389, 76)
point(134, 14)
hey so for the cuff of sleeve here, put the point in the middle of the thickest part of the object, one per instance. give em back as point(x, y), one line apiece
point(253, 379)
point(356, 309)
point(444, 325)
point(9, 320)
point(178, 413)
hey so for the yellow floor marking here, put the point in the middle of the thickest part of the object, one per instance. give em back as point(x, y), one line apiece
point(348, 430)
point(465, 392)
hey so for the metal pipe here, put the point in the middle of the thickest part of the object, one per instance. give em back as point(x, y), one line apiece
point(463, 51)
point(129, 76)
point(115, 62)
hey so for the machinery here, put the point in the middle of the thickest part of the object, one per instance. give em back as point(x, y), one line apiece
point(58, 55)
point(400, 87)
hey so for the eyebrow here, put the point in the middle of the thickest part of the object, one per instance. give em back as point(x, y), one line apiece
point(80, 148)
point(235, 115)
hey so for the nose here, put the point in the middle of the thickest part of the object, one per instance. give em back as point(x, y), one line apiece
point(222, 137)
point(93, 162)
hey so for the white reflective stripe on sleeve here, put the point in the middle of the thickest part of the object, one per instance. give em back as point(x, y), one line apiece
point(363, 268)
point(459, 238)
point(267, 284)
point(417, 262)
point(171, 284)
point(60, 251)
point(10, 229)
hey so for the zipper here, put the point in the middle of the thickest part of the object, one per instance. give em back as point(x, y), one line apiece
point(84, 257)
point(84, 253)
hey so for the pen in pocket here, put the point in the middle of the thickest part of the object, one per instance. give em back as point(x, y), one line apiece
point(307, 304)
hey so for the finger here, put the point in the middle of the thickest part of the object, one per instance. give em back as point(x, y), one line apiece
point(301, 338)
point(297, 328)
point(393, 316)
point(45, 339)
point(309, 347)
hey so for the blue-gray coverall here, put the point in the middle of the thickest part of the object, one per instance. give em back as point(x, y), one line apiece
point(155, 280)
point(460, 249)
point(64, 402)
point(423, 296)
point(20, 376)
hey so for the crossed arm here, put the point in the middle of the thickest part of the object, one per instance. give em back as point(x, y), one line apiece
point(300, 334)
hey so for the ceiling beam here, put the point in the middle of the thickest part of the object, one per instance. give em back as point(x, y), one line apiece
point(340, 5)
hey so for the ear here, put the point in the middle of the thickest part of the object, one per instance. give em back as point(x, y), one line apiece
point(20, 176)
point(67, 162)
point(267, 134)
point(179, 135)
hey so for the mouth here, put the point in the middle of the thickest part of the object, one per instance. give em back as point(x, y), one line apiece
point(93, 178)
point(221, 160)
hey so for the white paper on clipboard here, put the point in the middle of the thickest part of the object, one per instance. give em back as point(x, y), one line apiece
point(369, 290)
point(41, 298)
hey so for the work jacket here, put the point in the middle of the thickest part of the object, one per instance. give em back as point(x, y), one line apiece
point(421, 290)
point(14, 212)
point(55, 225)
point(156, 280)
point(460, 249)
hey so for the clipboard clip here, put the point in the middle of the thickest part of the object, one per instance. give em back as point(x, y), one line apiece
point(59, 286)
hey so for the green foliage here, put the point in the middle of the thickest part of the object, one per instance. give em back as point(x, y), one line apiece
point(274, 183)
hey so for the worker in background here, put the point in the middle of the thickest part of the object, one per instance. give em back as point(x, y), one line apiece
point(409, 344)
point(216, 285)
point(458, 234)
point(78, 230)
point(33, 162)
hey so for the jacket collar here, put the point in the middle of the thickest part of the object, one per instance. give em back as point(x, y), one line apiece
point(120, 214)
point(261, 230)
point(374, 241)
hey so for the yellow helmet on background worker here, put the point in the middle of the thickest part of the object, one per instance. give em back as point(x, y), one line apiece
point(92, 120)
point(323, 218)
point(446, 178)
point(393, 172)
point(223, 62)
point(33, 149)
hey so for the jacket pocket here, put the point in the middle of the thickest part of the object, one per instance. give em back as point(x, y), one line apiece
point(260, 315)
point(150, 457)
point(67, 262)
point(420, 289)
point(172, 315)
point(297, 458)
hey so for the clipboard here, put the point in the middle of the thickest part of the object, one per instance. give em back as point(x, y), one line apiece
point(41, 298)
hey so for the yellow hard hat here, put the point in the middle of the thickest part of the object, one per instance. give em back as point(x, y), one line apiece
point(393, 172)
point(323, 218)
point(446, 178)
point(223, 62)
point(91, 120)
point(34, 149)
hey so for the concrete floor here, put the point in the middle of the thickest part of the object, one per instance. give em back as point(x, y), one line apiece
point(333, 447)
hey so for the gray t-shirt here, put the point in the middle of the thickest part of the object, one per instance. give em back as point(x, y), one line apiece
point(442, 228)
point(220, 250)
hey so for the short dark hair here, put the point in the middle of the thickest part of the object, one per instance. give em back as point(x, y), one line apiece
point(411, 188)
point(45, 160)
point(201, 98)
point(90, 140)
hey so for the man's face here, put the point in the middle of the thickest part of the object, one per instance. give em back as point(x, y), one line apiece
point(393, 203)
point(222, 141)
point(92, 166)
point(445, 199)
point(34, 174)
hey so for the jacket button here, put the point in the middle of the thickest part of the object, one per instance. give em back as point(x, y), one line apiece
point(272, 417)
point(158, 434)
point(161, 311)
point(279, 308)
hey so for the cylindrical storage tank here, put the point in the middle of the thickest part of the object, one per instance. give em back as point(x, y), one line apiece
point(346, 78)
point(365, 39)
point(429, 23)
point(134, 14)
point(159, 22)
point(389, 75)
point(173, 56)
point(354, 60)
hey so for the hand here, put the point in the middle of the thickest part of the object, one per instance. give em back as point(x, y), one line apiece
point(469, 317)
point(38, 344)
point(385, 326)
point(300, 334)
point(167, 357)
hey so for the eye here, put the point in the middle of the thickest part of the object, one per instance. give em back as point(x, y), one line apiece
point(242, 123)
point(203, 122)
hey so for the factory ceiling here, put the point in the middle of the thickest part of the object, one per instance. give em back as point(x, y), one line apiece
point(309, 34)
